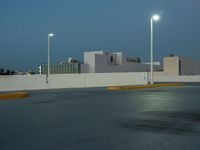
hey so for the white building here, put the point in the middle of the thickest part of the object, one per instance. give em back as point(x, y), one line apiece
point(102, 62)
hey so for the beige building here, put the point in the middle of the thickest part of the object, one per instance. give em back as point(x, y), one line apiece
point(176, 65)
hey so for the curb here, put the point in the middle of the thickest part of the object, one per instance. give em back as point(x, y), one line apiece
point(15, 95)
point(143, 86)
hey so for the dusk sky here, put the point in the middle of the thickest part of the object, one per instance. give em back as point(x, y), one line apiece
point(86, 25)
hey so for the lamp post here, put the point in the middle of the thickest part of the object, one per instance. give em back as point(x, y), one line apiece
point(153, 18)
point(49, 38)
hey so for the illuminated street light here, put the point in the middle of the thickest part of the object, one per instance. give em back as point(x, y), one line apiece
point(156, 17)
point(153, 18)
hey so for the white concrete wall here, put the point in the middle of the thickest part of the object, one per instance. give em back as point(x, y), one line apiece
point(174, 78)
point(35, 82)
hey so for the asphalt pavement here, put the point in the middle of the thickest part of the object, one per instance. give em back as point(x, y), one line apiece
point(165, 118)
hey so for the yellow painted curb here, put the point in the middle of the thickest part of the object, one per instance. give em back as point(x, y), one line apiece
point(13, 95)
point(143, 86)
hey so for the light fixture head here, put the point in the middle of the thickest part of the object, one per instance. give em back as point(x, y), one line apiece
point(156, 17)
point(51, 34)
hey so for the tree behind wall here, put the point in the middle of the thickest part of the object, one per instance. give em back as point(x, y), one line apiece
point(8, 72)
point(1, 71)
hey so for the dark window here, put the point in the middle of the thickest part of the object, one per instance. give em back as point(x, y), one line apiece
point(179, 67)
point(111, 59)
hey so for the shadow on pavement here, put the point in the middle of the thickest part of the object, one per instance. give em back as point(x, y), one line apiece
point(165, 122)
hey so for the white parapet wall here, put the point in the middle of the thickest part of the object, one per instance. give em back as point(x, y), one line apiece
point(36, 82)
point(176, 78)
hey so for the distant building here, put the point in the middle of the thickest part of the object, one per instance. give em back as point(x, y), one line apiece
point(176, 65)
point(102, 62)
point(71, 66)
point(65, 68)
point(107, 62)
point(72, 60)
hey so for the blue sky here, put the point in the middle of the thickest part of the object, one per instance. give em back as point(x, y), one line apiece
point(85, 25)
